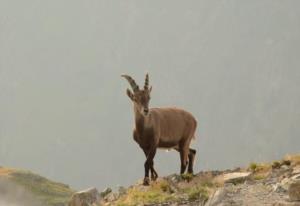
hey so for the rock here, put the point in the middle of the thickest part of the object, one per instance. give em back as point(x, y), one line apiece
point(89, 197)
point(284, 167)
point(236, 177)
point(285, 183)
point(111, 197)
point(294, 191)
point(278, 188)
point(121, 190)
point(105, 192)
point(296, 177)
point(175, 178)
point(296, 170)
point(217, 198)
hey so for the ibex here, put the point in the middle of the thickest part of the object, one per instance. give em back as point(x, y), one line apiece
point(168, 128)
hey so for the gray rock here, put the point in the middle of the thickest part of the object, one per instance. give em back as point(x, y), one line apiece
point(121, 190)
point(294, 191)
point(105, 192)
point(236, 177)
point(296, 170)
point(217, 197)
point(89, 197)
point(296, 177)
point(278, 188)
point(284, 167)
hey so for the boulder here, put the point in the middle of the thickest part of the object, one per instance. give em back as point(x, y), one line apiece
point(236, 177)
point(89, 197)
point(105, 192)
point(296, 170)
point(294, 191)
point(217, 197)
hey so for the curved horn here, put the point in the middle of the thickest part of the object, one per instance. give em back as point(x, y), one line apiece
point(132, 83)
point(146, 82)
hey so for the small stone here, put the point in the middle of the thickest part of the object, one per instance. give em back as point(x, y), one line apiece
point(294, 191)
point(217, 197)
point(176, 178)
point(284, 167)
point(110, 197)
point(296, 177)
point(278, 188)
point(105, 192)
point(236, 177)
point(86, 197)
point(296, 170)
point(122, 190)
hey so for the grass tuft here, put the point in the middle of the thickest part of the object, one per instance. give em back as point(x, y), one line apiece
point(158, 192)
point(187, 177)
point(197, 193)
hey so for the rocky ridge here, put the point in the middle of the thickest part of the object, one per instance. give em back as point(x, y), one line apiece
point(270, 184)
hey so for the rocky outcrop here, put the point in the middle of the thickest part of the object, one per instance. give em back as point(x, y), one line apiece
point(266, 184)
point(89, 197)
point(236, 177)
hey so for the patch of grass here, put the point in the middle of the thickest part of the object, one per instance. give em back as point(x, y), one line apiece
point(49, 192)
point(188, 177)
point(253, 166)
point(276, 165)
point(259, 177)
point(165, 187)
point(196, 193)
point(262, 167)
point(157, 192)
point(260, 171)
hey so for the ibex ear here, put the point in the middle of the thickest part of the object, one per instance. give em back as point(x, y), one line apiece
point(130, 95)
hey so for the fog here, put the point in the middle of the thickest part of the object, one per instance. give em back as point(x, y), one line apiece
point(64, 112)
point(13, 195)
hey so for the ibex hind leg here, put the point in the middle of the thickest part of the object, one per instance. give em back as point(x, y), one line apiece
point(183, 160)
point(191, 156)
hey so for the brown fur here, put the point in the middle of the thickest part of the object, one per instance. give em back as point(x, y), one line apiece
point(168, 127)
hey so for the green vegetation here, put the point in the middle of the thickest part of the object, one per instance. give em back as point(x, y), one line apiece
point(276, 165)
point(197, 192)
point(188, 177)
point(253, 166)
point(49, 192)
point(259, 177)
point(157, 192)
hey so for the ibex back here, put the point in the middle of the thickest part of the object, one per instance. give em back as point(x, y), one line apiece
point(170, 128)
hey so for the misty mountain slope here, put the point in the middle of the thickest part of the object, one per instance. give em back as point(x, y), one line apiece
point(21, 187)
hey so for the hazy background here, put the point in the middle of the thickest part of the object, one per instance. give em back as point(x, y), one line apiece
point(63, 110)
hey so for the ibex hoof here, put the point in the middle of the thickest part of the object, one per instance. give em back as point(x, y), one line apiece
point(146, 181)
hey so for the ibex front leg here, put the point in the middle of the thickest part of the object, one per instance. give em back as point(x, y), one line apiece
point(154, 174)
point(148, 164)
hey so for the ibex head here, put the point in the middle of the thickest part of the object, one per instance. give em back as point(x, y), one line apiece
point(139, 97)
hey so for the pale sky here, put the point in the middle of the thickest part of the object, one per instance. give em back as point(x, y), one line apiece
point(63, 109)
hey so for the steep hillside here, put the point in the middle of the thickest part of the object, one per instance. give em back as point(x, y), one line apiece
point(21, 187)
